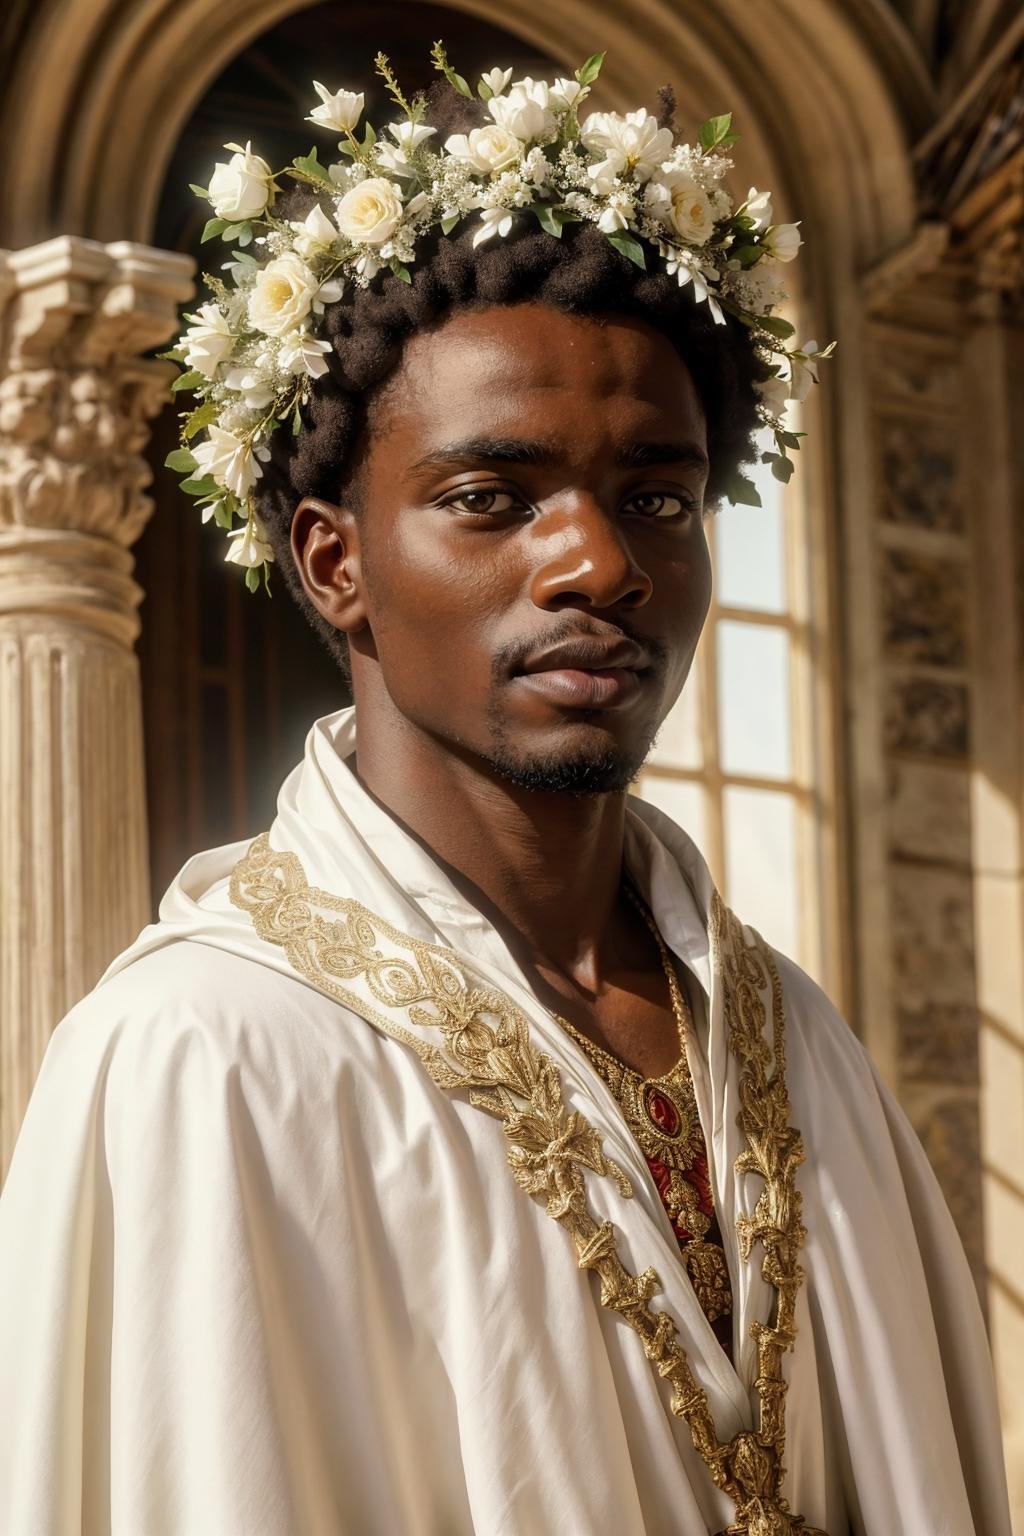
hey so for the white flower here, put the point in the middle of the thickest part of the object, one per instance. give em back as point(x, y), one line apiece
point(493, 221)
point(314, 233)
point(683, 205)
point(370, 212)
point(410, 135)
point(757, 290)
point(803, 370)
point(774, 393)
point(525, 111)
point(566, 93)
point(485, 149)
point(340, 110)
point(634, 142)
point(240, 188)
point(250, 545)
point(254, 388)
point(281, 295)
point(496, 80)
point(302, 353)
point(782, 241)
point(328, 293)
point(209, 341)
point(759, 208)
point(229, 460)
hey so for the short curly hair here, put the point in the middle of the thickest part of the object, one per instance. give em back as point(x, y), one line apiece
point(580, 272)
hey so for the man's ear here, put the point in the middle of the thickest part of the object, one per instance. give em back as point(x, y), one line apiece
point(326, 550)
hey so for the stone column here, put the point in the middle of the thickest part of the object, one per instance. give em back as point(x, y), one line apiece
point(75, 396)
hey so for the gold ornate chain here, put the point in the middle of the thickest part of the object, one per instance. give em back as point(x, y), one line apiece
point(662, 1115)
point(488, 1055)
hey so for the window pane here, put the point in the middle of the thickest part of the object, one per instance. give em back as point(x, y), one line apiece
point(749, 561)
point(678, 744)
point(753, 699)
point(760, 863)
point(681, 799)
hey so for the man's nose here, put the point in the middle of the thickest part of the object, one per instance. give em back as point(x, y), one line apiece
point(586, 559)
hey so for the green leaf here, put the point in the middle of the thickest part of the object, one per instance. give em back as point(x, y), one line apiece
point(549, 218)
point(743, 492)
point(201, 417)
point(449, 222)
point(173, 355)
point(628, 247)
point(789, 439)
point(775, 326)
point(207, 486)
point(180, 460)
point(484, 91)
point(461, 84)
point(590, 69)
point(782, 469)
point(213, 227)
point(252, 577)
point(746, 255)
point(188, 380)
point(222, 514)
point(402, 273)
point(297, 419)
point(199, 191)
point(715, 130)
point(310, 166)
point(369, 137)
point(233, 231)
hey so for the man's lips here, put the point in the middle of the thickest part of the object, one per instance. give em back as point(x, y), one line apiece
point(586, 673)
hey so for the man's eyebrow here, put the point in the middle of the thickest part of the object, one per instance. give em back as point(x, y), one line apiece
point(542, 454)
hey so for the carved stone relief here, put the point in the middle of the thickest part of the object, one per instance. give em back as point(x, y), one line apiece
point(919, 475)
point(924, 609)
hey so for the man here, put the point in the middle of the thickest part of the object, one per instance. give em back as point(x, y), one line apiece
point(451, 1160)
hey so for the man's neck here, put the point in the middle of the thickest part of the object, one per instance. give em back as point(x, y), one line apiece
point(545, 865)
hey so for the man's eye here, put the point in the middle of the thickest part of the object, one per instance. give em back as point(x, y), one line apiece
point(486, 503)
point(660, 504)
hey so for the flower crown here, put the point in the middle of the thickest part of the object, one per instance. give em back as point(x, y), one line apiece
point(250, 353)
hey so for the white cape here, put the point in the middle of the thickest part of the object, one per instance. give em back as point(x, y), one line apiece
point(259, 1276)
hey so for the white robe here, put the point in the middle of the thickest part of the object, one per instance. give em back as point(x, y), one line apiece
point(259, 1276)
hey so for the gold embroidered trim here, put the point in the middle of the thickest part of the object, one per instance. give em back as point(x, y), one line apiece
point(488, 1052)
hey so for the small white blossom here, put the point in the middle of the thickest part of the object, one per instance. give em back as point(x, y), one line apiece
point(328, 293)
point(409, 136)
point(782, 241)
point(340, 110)
point(567, 93)
point(302, 353)
point(208, 342)
point(774, 393)
point(496, 80)
point(759, 208)
point(252, 384)
point(314, 233)
point(228, 460)
point(493, 221)
point(525, 111)
point(241, 187)
point(633, 142)
point(249, 545)
point(803, 370)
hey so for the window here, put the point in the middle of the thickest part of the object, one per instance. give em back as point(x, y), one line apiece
point(735, 762)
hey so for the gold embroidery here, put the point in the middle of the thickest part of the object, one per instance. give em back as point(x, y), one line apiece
point(488, 1052)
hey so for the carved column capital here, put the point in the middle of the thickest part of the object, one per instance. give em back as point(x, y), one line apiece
point(75, 398)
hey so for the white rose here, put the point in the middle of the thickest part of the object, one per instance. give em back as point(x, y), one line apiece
point(229, 460)
point(782, 241)
point(302, 353)
point(485, 149)
point(759, 208)
point(370, 213)
point(496, 80)
point(240, 188)
point(340, 110)
point(250, 545)
point(683, 206)
point(281, 295)
point(209, 341)
point(525, 111)
point(634, 142)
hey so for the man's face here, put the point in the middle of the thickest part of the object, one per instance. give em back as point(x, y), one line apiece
point(536, 575)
